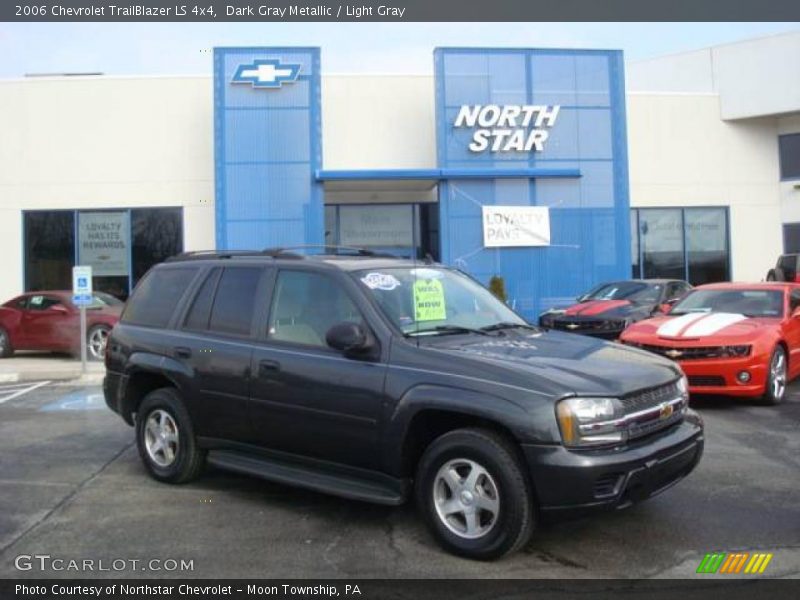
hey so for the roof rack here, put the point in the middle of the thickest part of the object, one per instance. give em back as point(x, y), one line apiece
point(331, 249)
point(278, 252)
point(210, 254)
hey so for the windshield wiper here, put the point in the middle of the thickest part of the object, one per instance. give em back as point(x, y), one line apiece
point(509, 325)
point(447, 329)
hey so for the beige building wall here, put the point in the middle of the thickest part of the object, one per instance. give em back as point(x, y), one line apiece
point(104, 142)
point(682, 154)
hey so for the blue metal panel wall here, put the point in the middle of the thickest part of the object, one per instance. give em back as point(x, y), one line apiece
point(590, 222)
point(267, 149)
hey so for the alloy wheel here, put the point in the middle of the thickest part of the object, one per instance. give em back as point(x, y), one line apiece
point(3, 341)
point(777, 370)
point(97, 342)
point(466, 498)
point(161, 438)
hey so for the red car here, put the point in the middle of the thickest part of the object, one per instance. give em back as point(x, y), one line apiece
point(48, 320)
point(730, 339)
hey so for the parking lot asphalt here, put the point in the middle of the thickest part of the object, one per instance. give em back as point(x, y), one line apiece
point(73, 488)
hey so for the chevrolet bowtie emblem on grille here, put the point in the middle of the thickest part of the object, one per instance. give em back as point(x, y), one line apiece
point(573, 326)
point(672, 353)
point(665, 411)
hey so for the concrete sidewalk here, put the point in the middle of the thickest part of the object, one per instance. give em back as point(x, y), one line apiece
point(34, 366)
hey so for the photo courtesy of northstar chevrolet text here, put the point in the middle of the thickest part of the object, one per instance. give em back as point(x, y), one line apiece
point(331, 295)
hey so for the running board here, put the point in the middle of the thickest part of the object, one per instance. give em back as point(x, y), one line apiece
point(310, 476)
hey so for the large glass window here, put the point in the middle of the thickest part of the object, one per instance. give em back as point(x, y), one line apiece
point(789, 149)
point(389, 228)
point(681, 243)
point(157, 234)
point(49, 250)
point(119, 245)
point(157, 296)
point(661, 241)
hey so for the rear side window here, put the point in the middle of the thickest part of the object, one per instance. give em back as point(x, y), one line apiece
point(200, 312)
point(235, 300)
point(155, 298)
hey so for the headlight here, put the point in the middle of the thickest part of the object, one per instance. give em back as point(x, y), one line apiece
point(683, 388)
point(735, 351)
point(586, 422)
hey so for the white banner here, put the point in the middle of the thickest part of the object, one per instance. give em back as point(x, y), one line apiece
point(516, 226)
point(104, 242)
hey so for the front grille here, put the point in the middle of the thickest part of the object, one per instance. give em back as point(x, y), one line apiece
point(655, 409)
point(684, 353)
point(582, 325)
point(650, 398)
point(706, 381)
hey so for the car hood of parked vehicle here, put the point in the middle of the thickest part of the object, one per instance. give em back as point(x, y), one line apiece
point(604, 308)
point(693, 326)
point(562, 363)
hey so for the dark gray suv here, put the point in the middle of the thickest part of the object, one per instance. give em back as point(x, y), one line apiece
point(379, 379)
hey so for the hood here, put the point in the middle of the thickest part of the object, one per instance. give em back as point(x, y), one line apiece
point(595, 307)
point(569, 363)
point(700, 325)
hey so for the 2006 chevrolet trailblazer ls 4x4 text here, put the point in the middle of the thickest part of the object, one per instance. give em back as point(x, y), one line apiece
point(377, 379)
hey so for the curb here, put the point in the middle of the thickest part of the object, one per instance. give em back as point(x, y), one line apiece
point(56, 377)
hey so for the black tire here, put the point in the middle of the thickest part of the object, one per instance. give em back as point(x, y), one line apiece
point(6, 349)
point(515, 517)
point(92, 348)
point(775, 393)
point(187, 459)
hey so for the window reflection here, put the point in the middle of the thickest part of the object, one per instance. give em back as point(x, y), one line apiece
point(49, 250)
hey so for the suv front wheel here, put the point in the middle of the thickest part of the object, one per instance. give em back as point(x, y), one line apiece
point(474, 494)
point(165, 438)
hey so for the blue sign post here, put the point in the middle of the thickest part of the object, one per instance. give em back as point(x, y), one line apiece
point(82, 297)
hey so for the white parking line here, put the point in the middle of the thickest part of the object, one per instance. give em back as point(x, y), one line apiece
point(16, 391)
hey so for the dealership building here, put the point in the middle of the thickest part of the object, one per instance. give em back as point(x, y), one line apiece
point(555, 169)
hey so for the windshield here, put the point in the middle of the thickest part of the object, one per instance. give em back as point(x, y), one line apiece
point(430, 300)
point(101, 299)
point(633, 291)
point(751, 303)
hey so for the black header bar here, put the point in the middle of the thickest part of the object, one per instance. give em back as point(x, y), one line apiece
point(398, 10)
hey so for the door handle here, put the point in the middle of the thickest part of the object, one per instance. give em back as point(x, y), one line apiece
point(268, 366)
point(183, 352)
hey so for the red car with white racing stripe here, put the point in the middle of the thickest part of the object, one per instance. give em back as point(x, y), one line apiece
point(730, 338)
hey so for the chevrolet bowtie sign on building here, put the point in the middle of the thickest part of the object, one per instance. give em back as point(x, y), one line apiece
point(266, 73)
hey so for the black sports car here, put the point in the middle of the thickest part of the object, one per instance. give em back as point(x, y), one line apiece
point(606, 310)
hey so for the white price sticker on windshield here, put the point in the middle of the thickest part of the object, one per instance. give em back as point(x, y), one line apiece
point(380, 281)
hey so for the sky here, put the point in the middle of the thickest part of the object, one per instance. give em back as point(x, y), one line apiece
point(185, 49)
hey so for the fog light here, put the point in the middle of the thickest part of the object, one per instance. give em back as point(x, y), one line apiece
point(743, 376)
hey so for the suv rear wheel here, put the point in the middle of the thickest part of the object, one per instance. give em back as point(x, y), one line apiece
point(165, 438)
point(474, 494)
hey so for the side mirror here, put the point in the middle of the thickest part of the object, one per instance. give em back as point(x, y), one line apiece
point(350, 338)
point(796, 313)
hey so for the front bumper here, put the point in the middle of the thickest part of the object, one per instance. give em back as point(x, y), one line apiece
point(576, 481)
point(718, 376)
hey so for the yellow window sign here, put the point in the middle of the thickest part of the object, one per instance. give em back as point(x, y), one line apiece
point(429, 300)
